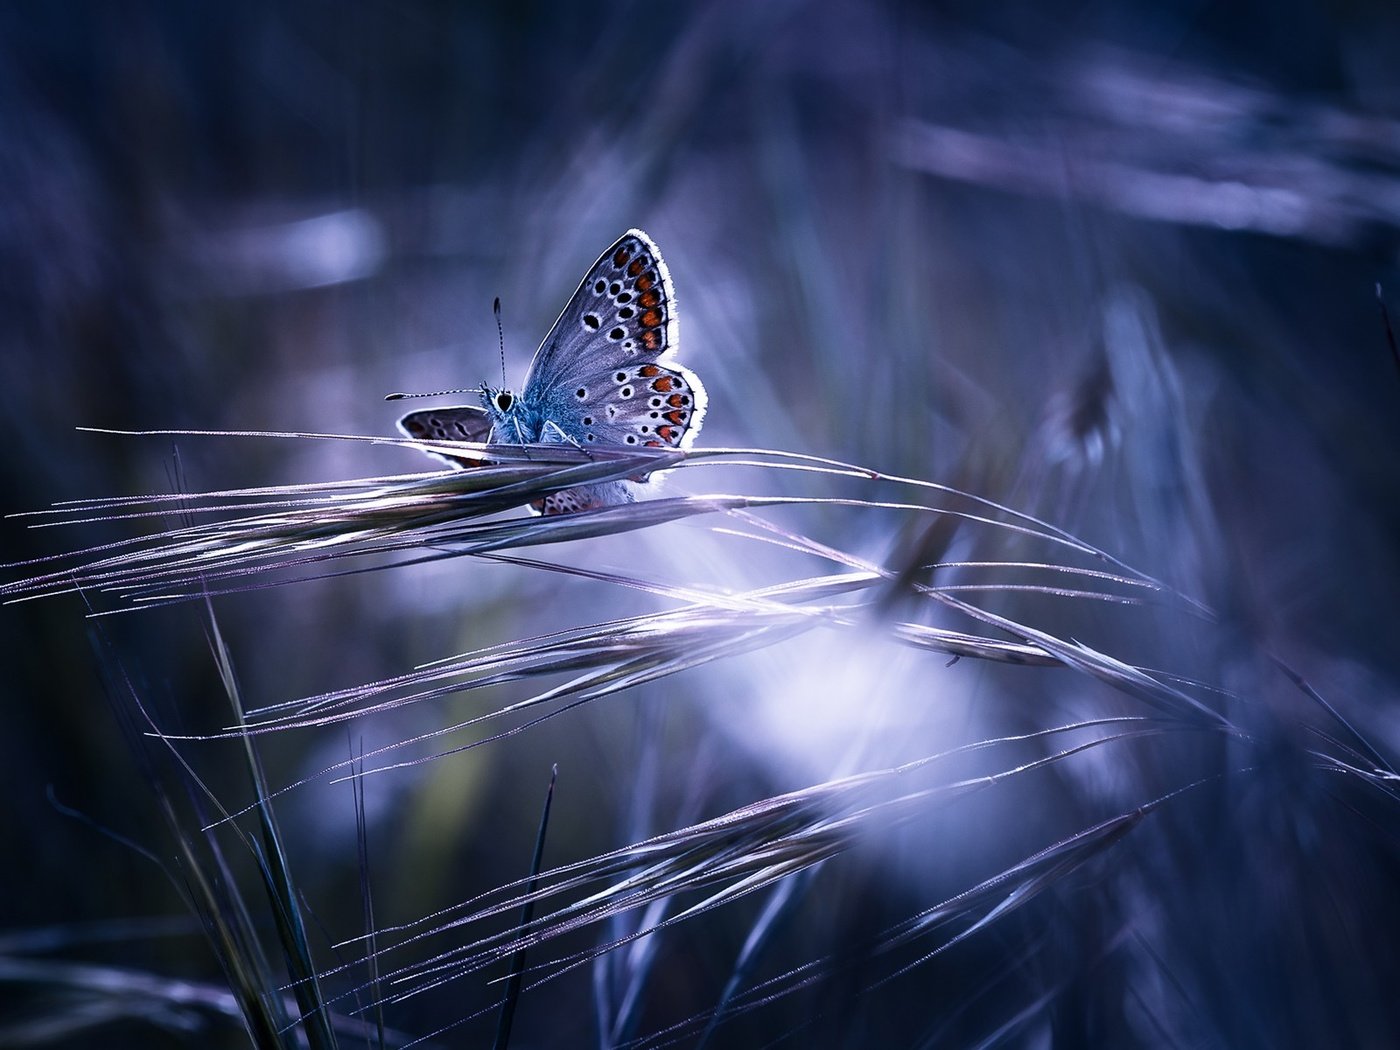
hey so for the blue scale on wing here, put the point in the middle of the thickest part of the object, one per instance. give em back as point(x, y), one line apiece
point(643, 406)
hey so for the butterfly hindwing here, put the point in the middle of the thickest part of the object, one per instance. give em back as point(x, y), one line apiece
point(645, 405)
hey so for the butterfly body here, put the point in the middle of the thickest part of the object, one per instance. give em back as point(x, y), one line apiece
point(602, 377)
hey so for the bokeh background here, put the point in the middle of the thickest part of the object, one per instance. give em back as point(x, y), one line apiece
point(1115, 265)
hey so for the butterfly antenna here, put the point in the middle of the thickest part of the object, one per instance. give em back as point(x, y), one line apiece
point(435, 393)
point(500, 337)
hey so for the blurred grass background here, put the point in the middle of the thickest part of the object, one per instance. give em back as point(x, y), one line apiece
point(1114, 265)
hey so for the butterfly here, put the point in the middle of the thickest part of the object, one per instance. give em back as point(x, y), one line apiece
point(602, 377)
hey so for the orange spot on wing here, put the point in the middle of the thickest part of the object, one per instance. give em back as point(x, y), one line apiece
point(675, 400)
point(647, 371)
point(649, 299)
point(651, 339)
point(644, 282)
point(666, 433)
point(621, 256)
point(638, 264)
point(663, 384)
point(677, 417)
point(651, 319)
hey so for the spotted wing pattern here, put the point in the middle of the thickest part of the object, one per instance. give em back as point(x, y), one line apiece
point(646, 406)
point(582, 497)
point(602, 376)
point(621, 314)
point(458, 423)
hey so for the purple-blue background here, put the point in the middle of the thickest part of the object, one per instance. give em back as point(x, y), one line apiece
point(1112, 264)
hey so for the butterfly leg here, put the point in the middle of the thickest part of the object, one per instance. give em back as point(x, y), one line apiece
point(554, 434)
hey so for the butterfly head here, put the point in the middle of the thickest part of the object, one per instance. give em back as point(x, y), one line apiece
point(497, 402)
point(510, 421)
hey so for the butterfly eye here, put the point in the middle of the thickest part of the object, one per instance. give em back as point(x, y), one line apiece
point(504, 400)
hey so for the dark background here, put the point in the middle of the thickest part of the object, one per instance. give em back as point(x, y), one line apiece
point(1115, 265)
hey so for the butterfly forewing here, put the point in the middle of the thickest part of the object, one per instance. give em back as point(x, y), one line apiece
point(457, 423)
point(622, 314)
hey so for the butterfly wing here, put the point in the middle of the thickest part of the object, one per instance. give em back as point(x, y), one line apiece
point(622, 313)
point(645, 405)
point(600, 376)
point(460, 423)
